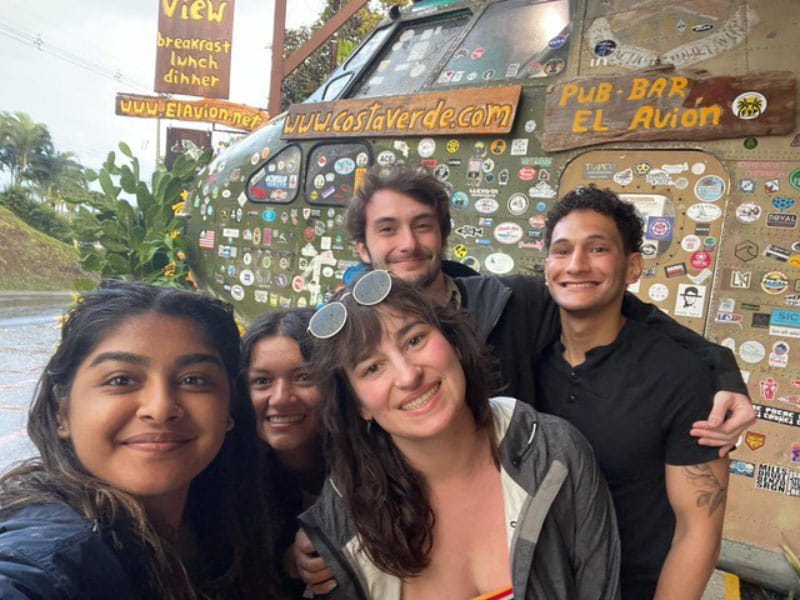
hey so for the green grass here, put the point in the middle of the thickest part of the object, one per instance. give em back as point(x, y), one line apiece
point(32, 260)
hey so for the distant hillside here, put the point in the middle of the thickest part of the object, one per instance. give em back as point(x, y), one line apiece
point(31, 260)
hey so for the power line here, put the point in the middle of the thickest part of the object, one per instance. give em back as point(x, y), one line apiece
point(84, 63)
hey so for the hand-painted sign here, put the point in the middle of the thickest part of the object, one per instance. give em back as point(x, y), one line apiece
point(193, 53)
point(667, 106)
point(237, 116)
point(468, 111)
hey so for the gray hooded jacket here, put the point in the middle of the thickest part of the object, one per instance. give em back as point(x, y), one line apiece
point(560, 521)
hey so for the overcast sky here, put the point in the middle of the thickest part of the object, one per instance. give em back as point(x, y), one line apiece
point(69, 84)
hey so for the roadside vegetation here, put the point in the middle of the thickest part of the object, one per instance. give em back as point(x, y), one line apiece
point(113, 224)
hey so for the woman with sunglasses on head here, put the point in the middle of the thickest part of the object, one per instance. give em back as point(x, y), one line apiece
point(436, 490)
point(144, 484)
point(275, 362)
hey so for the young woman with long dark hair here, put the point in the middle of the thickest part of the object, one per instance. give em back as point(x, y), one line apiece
point(276, 350)
point(144, 484)
point(436, 490)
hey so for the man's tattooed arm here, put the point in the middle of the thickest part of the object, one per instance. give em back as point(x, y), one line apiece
point(709, 490)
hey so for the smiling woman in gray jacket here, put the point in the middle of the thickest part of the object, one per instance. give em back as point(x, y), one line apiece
point(435, 490)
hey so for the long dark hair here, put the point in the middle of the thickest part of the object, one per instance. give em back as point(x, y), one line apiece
point(224, 515)
point(386, 497)
point(282, 488)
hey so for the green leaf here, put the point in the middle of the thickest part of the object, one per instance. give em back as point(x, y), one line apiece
point(90, 174)
point(107, 185)
point(125, 149)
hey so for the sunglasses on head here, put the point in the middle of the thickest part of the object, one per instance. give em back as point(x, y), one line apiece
point(369, 290)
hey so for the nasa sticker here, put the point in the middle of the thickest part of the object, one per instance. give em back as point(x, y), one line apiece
point(709, 188)
point(518, 204)
point(499, 263)
point(508, 233)
point(426, 147)
point(658, 292)
point(748, 212)
point(749, 105)
point(703, 213)
point(752, 351)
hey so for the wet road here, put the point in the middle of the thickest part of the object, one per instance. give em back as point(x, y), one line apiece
point(28, 334)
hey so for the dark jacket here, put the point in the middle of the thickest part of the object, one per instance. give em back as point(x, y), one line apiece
point(48, 551)
point(517, 318)
point(564, 541)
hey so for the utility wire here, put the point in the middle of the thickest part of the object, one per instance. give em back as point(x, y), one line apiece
point(38, 42)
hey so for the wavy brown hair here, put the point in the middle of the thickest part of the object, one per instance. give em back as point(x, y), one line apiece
point(386, 498)
point(223, 513)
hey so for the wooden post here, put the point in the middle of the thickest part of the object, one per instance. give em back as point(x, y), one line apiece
point(277, 73)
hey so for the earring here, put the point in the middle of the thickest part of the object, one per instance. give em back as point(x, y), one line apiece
point(369, 426)
point(231, 424)
point(61, 427)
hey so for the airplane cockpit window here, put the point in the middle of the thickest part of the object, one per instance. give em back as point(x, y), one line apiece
point(514, 39)
point(406, 62)
point(334, 171)
point(276, 181)
point(331, 89)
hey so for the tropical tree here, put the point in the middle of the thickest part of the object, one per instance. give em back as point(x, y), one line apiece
point(315, 69)
point(141, 241)
point(21, 141)
point(58, 176)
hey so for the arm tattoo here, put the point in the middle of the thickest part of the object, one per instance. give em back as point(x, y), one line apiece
point(710, 492)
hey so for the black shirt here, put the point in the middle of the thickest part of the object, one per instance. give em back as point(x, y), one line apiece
point(635, 401)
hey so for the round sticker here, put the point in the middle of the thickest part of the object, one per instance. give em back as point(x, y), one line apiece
point(774, 283)
point(246, 277)
point(269, 215)
point(344, 166)
point(748, 212)
point(508, 233)
point(499, 263)
point(557, 42)
point(681, 183)
point(247, 258)
point(530, 126)
point(701, 259)
point(426, 147)
point(518, 204)
point(699, 168)
point(658, 292)
point(498, 146)
point(749, 105)
point(452, 146)
point(750, 143)
point(362, 159)
point(237, 292)
point(460, 251)
point(690, 243)
point(709, 188)
point(386, 158)
point(254, 159)
point(605, 47)
point(472, 262)
point(459, 200)
point(794, 179)
point(752, 351)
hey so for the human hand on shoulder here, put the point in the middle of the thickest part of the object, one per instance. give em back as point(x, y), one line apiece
point(730, 416)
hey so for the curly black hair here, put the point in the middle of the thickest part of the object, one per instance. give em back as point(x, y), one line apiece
point(605, 202)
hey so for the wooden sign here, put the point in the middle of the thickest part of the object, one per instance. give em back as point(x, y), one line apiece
point(193, 53)
point(469, 111)
point(237, 116)
point(667, 106)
